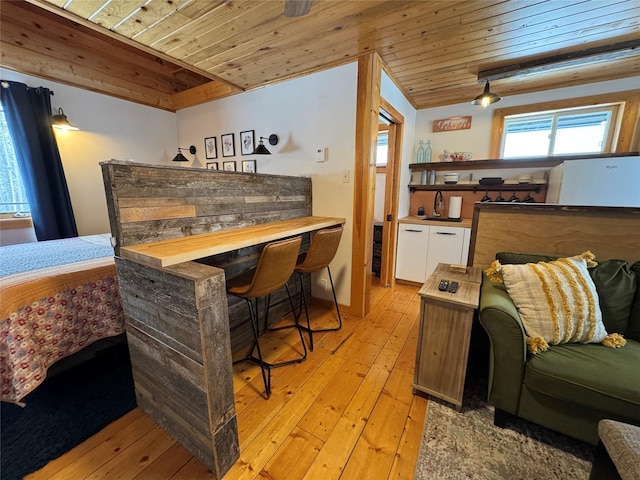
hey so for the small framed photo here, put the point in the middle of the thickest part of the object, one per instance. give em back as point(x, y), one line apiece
point(212, 165)
point(249, 166)
point(228, 145)
point(247, 140)
point(211, 148)
point(229, 166)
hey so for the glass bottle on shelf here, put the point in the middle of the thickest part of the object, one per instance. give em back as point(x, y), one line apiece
point(427, 152)
point(420, 153)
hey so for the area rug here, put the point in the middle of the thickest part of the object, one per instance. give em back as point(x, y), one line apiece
point(466, 445)
point(64, 411)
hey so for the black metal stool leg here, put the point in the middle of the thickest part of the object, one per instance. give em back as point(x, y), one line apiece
point(306, 312)
point(335, 299)
point(266, 377)
point(297, 325)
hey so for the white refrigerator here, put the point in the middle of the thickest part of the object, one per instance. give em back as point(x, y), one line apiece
point(607, 182)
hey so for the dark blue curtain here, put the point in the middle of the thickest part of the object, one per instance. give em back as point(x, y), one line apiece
point(28, 113)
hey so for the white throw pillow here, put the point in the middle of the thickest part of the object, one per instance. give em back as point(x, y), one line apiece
point(557, 301)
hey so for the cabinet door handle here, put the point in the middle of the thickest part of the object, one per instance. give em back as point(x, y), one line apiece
point(412, 230)
point(445, 233)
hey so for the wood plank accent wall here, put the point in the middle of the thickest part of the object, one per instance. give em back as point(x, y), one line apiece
point(157, 202)
point(181, 326)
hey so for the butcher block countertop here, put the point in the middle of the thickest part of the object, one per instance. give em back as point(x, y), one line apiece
point(466, 223)
point(164, 253)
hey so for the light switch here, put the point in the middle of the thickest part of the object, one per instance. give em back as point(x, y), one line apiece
point(321, 154)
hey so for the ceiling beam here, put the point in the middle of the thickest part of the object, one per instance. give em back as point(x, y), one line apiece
point(115, 36)
point(614, 51)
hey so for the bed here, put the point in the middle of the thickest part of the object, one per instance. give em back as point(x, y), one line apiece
point(57, 297)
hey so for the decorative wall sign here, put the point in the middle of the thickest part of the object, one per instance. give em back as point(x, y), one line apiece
point(228, 145)
point(453, 123)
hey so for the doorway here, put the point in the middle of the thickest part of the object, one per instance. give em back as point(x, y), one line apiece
point(391, 123)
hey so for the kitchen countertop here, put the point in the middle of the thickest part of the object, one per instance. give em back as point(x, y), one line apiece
point(465, 223)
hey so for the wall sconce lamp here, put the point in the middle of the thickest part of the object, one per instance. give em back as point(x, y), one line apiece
point(261, 149)
point(61, 122)
point(486, 98)
point(180, 157)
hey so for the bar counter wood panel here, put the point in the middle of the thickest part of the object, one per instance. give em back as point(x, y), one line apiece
point(179, 322)
point(157, 202)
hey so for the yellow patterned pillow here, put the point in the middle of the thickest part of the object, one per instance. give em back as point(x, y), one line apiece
point(557, 301)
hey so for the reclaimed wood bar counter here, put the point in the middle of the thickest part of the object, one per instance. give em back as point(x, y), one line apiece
point(164, 221)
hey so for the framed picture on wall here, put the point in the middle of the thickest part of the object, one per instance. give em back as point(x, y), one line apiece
point(228, 145)
point(211, 148)
point(247, 139)
point(229, 166)
point(212, 165)
point(249, 166)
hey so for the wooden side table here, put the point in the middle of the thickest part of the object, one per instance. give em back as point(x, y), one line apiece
point(445, 332)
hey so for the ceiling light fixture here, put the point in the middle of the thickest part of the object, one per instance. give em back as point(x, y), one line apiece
point(261, 149)
point(486, 98)
point(61, 122)
point(180, 157)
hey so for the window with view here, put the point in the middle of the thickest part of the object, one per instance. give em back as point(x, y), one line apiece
point(559, 132)
point(13, 198)
point(383, 149)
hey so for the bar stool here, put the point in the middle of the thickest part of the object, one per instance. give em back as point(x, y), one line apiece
point(322, 250)
point(275, 267)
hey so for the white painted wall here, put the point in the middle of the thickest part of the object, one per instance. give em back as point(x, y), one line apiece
point(109, 128)
point(315, 111)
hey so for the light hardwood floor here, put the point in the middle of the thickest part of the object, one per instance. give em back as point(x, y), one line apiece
point(346, 412)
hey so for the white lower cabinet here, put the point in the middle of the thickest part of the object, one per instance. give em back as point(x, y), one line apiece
point(411, 252)
point(446, 245)
point(422, 247)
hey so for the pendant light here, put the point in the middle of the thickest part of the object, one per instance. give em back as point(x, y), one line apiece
point(486, 98)
point(61, 122)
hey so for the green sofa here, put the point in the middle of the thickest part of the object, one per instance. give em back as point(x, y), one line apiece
point(569, 387)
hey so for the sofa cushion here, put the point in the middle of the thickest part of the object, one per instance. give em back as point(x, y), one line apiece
point(616, 285)
point(633, 330)
point(557, 301)
point(592, 376)
point(521, 258)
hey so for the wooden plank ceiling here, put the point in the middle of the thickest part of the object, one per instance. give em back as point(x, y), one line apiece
point(176, 53)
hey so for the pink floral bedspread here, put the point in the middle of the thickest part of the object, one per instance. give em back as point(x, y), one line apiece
point(51, 313)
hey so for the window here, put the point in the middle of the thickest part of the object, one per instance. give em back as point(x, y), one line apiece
point(383, 149)
point(622, 128)
point(559, 132)
point(13, 198)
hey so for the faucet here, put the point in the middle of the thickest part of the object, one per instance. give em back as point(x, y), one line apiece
point(437, 205)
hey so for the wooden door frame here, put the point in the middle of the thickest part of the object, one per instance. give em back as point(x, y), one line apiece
point(391, 193)
point(368, 105)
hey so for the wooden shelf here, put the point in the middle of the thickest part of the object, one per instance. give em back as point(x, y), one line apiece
point(509, 187)
point(538, 162)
